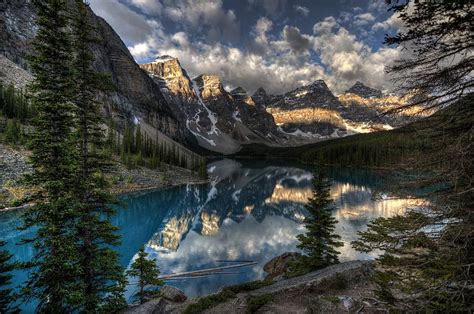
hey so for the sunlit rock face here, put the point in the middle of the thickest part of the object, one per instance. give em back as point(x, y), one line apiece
point(210, 224)
point(312, 113)
point(173, 232)
point(240, 94)
point(172, 78)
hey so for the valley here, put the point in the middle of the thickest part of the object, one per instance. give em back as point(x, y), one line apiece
point(251, 156)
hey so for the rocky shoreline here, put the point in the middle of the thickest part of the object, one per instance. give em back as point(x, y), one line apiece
point(340, 288)
point(13, 165)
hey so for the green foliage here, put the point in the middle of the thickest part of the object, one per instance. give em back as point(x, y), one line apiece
point(95, 234)
point(6, 294)
point(319, 243)
point(225, 294)
point(254, 303)
point(147, 272)
point(14, 103)
point(53, 279)
point(139, 149)
point(428, 251)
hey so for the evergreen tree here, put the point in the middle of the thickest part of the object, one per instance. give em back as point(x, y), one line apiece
point(319, 243)
point(53, 277)
point(429, 251)
point(147, 272)
point(438, 36)
point(100, 270)
point(6, 294)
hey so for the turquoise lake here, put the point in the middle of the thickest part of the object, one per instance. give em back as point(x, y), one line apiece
point(251, 211)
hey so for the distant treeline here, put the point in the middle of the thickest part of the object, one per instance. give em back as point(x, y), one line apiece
point(16, 111)
point(136, 148)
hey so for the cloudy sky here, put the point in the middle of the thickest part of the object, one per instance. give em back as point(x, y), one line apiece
point(276, 44)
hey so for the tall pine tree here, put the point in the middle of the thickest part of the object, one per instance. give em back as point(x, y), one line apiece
point(53, 278)
point(101, 273)
point(319, 243)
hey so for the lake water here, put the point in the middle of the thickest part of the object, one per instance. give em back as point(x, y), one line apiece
point(252, 211)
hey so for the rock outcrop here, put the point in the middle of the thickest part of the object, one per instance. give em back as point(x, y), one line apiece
point(219, 120)
point(277, 267)
point(173, 294)
point(136, 94)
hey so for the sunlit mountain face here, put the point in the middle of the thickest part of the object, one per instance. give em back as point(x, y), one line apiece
point(249, 212)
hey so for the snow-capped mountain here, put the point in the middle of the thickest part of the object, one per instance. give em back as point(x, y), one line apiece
point(172, 107)
point(223, 121)
point(219, 120)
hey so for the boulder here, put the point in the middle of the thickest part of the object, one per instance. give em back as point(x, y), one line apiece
point(278, 266)
point(173, 294)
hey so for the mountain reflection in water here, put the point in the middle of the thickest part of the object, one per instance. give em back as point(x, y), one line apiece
point(250, 211)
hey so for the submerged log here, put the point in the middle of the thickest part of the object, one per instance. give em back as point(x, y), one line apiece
point(205, 272)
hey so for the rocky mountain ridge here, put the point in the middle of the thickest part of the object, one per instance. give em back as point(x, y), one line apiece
point(171, 106)
point(136, 97)
point(220, 120)
point(223, 121)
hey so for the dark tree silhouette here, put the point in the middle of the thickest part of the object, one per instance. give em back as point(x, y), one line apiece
point(438, 41)
point(147, 273)
point(319, 243)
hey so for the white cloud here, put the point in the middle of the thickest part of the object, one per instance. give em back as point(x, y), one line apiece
point(363, 19)
point(393, 22)
point(349, 59)
point(150, 7)
point(206, 16)
point(301, 10)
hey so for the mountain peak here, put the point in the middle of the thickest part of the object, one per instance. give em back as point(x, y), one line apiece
point(164, 58)
point(260, 92)
point(238, 91)
point(364, 91)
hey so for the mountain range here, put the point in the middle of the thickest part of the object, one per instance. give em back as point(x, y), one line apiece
point(199, 113)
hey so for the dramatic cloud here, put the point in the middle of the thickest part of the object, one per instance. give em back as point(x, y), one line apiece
point(363, 19)
point(264, 47)
point(135, 29)
point(301, 10)
point(349, 59)
point(297, 42)
point(209, 16)
point(151, 7)
point(393, 22)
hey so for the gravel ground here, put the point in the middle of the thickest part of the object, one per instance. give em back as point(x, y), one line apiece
point(13, 165)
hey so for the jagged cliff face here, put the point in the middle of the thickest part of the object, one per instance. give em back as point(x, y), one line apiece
point(165, 100)
point(309, 113)
point(312, 113)
point(220, 121)
point(136, 96)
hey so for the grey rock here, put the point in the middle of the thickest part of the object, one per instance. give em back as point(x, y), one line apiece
point(172, 293)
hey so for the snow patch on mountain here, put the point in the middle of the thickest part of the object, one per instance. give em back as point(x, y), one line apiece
point(211, 115)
